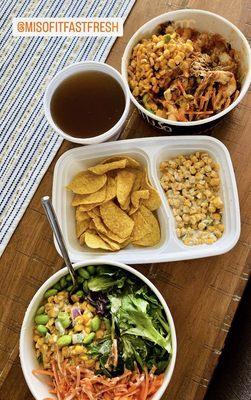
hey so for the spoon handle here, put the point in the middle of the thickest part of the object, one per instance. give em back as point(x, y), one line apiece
point(52, 218)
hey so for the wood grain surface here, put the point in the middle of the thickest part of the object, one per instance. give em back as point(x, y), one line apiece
point(202, 294)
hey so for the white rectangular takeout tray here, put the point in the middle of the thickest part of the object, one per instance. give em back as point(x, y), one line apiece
point(150, 152)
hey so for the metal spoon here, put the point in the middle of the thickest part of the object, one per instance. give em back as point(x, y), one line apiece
point(52, 218)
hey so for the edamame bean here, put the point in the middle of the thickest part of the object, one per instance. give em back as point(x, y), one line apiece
point(91, 269)
point(64, 318)
point(41, 319)
point(69, 289)
point(57, 286)
point(85, 287)
point(68, 278)
point(64, 340)
point(50, 292)
point(63, 282)
point(107, 324)
point(95, 323)
point(84, 273)
point(80, 280)
point(105, 270)
point(40, 310)
point(41, 329)
point(80, 293)
point(89, 338)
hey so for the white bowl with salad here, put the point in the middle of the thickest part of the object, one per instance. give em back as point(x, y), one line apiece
point(111, 337)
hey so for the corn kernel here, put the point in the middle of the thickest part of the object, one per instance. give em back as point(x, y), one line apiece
point(189, 46)
point(86, 318)
point(171, 63)
point(99, 334)
point(177, 59)
point(65, 351)
point(216, 216)
point(75, 298)
point(78, 350)
point(217, 202)
point(90, 363)
point(215, 182)
point(90, 308)
point(79, 328)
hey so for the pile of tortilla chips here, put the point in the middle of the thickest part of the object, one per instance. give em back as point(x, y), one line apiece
point(115, 205)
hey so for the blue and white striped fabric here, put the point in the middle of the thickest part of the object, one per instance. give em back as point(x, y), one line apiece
point(28, 144)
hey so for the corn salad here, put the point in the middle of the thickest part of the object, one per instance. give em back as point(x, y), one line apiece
point(65, 324)
point(192, 184)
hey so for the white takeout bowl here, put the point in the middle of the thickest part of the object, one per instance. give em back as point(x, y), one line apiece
point(111, 134)
point(37, 386)
point(202, 21)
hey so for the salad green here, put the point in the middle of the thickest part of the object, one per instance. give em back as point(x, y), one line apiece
point(139, 331)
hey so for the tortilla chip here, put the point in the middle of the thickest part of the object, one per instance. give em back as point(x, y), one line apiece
point(111, 189)
point(99, 225)
point(85, 183)
point(116, 238)
point(141, 227)
point(91, 213)
point(81, 239)
point(115, 246)
point(138, 180)
point(154, 200)
point(96, 210)
point(126, 206)
point(101, 169)
point(92, 226)
point(130, 162)
point(152, 238)
point(94, 241)
point(93, 198)
point(138, 195)
point(137, 198)
point(87, 207)
point(81, 226)
point(81, 215)
point(125, 180)
point(116, 219)
point(125, 243)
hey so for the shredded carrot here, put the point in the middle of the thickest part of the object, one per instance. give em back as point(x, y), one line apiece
point(199, 112)
point(42, 372)
point(146, 388)
point(72, 382)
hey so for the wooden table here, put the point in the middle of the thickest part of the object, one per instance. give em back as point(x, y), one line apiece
point(202, 294)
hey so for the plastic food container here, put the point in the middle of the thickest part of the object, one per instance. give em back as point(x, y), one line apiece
point(38, 386)
point(202, 21)
point(150, 152)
